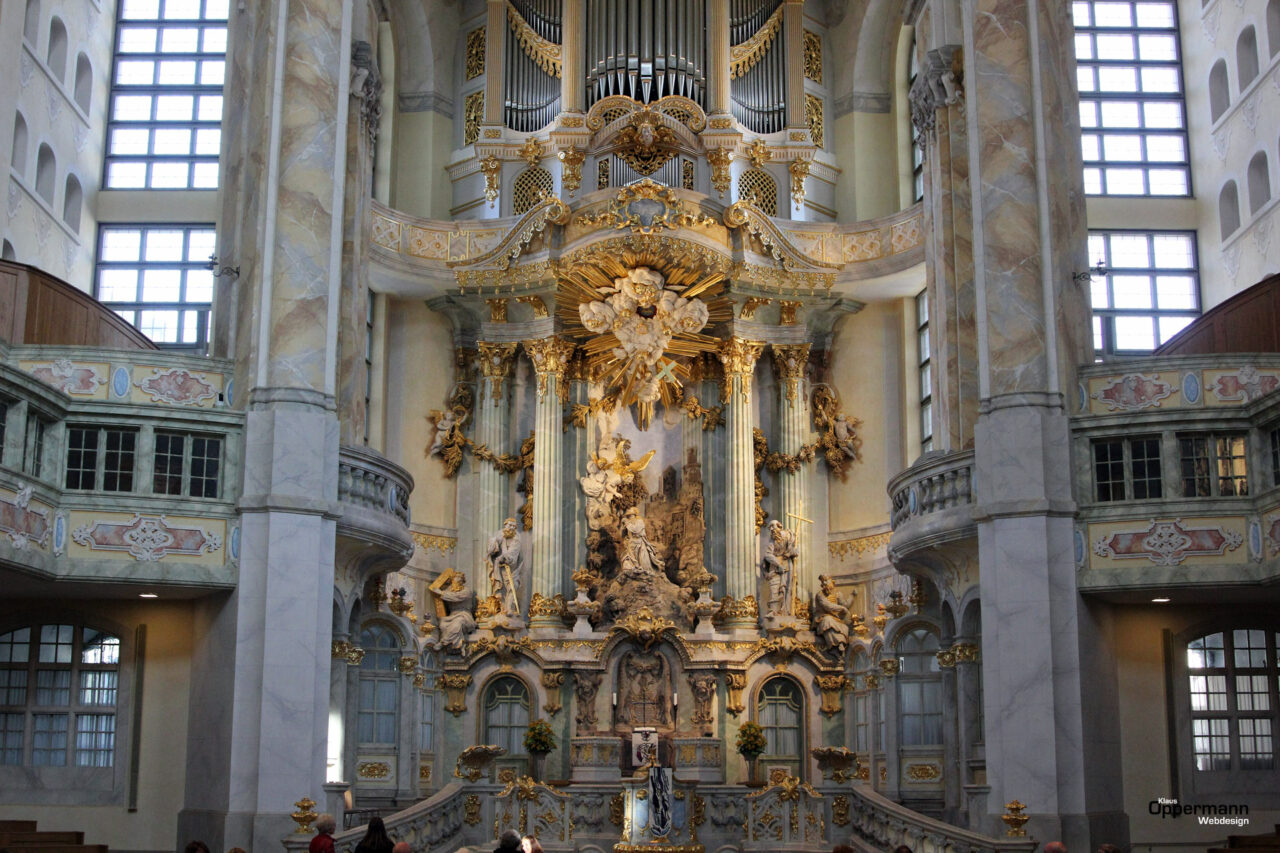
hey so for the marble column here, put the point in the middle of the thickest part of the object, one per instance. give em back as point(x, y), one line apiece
point(495, 40)
point(550, 357)
point(493, 412)
point(718, 55)
point(1033, 331)
point(573, 70)
point(741, 540)
point(282, 197)
point(793, 44)
point(789, 363)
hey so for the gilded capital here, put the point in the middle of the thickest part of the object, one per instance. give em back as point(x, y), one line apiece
point(550, 357)
point(739, 357)
point(789, 362)
point(495, 361)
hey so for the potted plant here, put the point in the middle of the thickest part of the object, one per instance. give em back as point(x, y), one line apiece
point(751, 742)
point(539, 739)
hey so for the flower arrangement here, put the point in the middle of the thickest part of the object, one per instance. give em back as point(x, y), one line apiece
point(751, 740)
point(539, 738)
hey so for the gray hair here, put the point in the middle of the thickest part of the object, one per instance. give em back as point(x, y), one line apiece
point(326, 823)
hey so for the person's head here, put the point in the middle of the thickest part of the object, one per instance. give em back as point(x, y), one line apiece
point(377, 832)
point(842, 848)
point(509, 528)
point(402, 847)
point(195, 846)
point(509, 840)
point(1055, 847)
point(529, 844)
point(326, 824)
point(826, 583)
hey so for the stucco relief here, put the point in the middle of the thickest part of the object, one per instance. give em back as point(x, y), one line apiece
point(1168, 543)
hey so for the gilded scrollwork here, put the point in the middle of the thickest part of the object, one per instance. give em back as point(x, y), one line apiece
point(474, 64)
point(545, 54)
point(742, 57)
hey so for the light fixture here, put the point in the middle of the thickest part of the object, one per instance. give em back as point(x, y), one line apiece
point(1098, 270)
point(147, 595)
point(1159, 601)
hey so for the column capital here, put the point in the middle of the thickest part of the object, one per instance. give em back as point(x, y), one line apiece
point(789, 362)
point(739, 356)
point(550, 357)
point(495, 364)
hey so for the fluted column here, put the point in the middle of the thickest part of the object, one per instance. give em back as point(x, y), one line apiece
point(492, 416)
point(739, 359)
point(789, 363)
point(573, 71)
point(793, 41)
point(718, 51)
point(550, 357)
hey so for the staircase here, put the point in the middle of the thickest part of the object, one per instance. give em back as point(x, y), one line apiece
point(1269, 843)
point(21, 836)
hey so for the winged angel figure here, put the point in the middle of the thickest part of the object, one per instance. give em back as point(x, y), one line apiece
point(644, 316)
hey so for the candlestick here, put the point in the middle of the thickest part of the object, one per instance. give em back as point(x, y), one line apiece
point(615, 697)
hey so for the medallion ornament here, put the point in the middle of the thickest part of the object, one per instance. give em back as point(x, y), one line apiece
point(475, 760)
point(736, 682)
point(571, 171)
point(492, 168)
point(456, 685)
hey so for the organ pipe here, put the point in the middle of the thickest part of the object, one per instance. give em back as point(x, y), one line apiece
point(757, 97)
point(532, 96)
point(646, 49)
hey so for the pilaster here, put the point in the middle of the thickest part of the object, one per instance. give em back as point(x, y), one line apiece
point(573, 72)
point(789, 363)
point(550, 357)
point(739, 357)
point(493, 413)
point(718, 54)
point(793, 43)
point(494, 59)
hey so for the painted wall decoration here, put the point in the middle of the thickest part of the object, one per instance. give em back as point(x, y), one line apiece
point(177, 385)
point(77, 380)
point(23, 524)
point(147, 538)
point(1133, 391)
point(1244, 385)
point(1167, 543)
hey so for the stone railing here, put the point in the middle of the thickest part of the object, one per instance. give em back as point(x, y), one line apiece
point(374, 494)
point(878, 823)
point(441, 823)
point(936, 482)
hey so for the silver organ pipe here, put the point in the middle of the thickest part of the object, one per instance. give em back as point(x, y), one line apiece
point(646, 49)
point(757, 98)
point(669, 174)
point(532, 96)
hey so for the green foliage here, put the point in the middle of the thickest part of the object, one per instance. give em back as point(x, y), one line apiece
point(539, 738)
point(751, 740)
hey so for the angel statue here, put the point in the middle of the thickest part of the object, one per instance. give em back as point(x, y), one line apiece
point(778, 568)
point(447, 441)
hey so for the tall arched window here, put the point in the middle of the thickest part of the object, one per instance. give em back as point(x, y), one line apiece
point(59, 689)
point(1231, 678)
point(506, 714)
point(1259, 182)
point(84, 82)
point(919, 689)
point(31, 25)
point(1247, 57)
point(861, 702)
point(379, 685)
point(1219, 90)
point(780, 712)
point(46, 173)
point(57, 55)
point(18, 159)
point(72, 203)
point(1229, 209)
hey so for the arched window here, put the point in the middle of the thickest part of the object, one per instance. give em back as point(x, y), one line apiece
point(18, 160)
point(59, 688)
point(1259, 182)
point(72, 203)
point(1229, 209)
point(919, 689)
point(31, 25)
point(57, 55)
point(46, 172)
point(861, 702)
point(506, 714)
point(528, 188)
point(379, 685)
point(1219, 90)
point(1231, 678)
point(1247, 57)
point(780, 712)
point(427, 707)
point(1273, 26)
point(84, 82)
point(759, 185)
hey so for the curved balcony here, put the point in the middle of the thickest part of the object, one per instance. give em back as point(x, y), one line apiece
point(932, 503)
point(374, 493)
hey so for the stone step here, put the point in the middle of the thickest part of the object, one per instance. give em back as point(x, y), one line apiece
point(17, 826)
point(11, 838)
point(54, 848)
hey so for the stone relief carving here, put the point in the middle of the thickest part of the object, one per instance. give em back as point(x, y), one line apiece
point(585, 687)
point(644, 697)
point(366, 86)
point(703, 685)
point(939, 84)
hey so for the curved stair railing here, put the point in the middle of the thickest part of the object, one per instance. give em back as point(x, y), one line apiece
point(881, 824)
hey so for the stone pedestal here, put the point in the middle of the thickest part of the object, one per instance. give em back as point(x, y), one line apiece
point(699, 759)
point(596, 759)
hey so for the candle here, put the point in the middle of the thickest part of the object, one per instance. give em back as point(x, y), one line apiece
point(675, 699)
point(615, 697)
